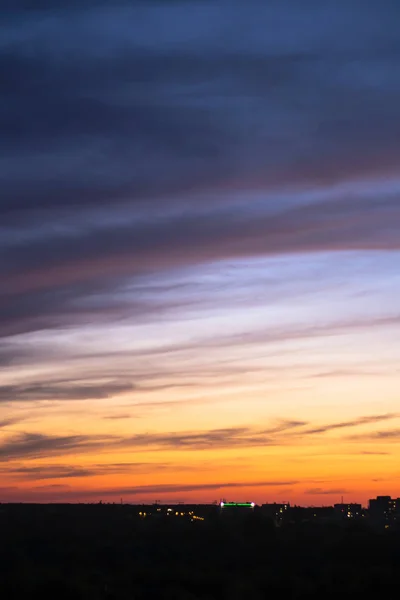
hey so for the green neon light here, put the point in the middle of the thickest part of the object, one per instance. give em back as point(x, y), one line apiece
point(246, 504)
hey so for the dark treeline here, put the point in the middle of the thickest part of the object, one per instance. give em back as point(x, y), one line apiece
point(111, 552)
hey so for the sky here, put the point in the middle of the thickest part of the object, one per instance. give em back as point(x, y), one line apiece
point(199, 251)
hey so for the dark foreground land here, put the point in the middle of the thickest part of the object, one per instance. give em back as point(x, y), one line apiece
point(109, 551)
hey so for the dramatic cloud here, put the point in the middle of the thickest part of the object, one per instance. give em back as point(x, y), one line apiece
point(127, 149)
point(200, 208)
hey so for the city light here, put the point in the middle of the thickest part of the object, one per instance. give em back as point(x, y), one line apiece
point(237, 504)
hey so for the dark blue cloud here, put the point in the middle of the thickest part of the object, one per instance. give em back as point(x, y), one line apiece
point(104, 103)
point(127, 130)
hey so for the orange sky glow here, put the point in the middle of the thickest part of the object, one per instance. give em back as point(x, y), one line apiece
point(200, 253)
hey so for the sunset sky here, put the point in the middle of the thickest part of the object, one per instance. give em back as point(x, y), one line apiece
point(200, 250)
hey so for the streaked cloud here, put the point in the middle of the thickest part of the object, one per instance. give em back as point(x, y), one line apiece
point(355, 423)
point(144, 493)
point(199, 226)
point(118, 417)
point(9, 421)
point(46, 471)
point(284, 432)
point(176, 488)
point(40, 445)
point(326, 491)
point(88, 213)
point(374, 453)
point(64, 390)
point(53, 486)
point(37, 445)
point(390, 435)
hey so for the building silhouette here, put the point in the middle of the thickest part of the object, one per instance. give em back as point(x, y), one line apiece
point(384, 510)
point(348, 511)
